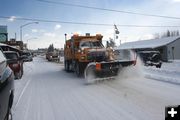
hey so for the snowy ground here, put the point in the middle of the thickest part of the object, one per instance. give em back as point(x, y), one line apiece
point(47, 92)
point(170, 72)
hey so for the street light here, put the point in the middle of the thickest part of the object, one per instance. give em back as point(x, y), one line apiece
point(30, 39)
point(24, 26)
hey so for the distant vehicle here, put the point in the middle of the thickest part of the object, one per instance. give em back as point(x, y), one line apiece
point(6, 89)
point(151, 58)
point(15, 62)
point(52, 56)
point(27, 56)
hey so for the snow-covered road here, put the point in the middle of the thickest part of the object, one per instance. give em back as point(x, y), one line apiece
point(47, 92)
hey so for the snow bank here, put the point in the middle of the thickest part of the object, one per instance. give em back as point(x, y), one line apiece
point(169, 72)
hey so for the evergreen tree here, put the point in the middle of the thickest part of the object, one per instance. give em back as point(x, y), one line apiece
point(168, 34)
point(51, 48)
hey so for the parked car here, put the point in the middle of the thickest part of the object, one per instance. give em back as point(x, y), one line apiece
point(15, 62)
point(27, 56)
point(151, 58)
point(6, 89)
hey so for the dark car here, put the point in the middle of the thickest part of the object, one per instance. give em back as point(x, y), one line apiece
point(27, 56)
point(15, 62)
point(151, 58)
point(6, 89)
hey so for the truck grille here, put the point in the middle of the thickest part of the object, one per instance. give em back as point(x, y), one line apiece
point(97, 56)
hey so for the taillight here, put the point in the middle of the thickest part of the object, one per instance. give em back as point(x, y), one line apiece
point(15, 65)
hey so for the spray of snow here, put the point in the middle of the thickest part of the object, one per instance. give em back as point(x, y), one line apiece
point(131, 72)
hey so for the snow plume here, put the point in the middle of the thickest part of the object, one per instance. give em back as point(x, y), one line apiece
point(133, 71)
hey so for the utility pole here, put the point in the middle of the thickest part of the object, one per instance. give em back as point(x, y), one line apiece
point(15, 36)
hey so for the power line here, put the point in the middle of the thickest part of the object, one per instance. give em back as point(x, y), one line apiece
point(83, 23)
point(110, 10)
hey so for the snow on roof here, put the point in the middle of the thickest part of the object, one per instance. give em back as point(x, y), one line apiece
point(153, 43)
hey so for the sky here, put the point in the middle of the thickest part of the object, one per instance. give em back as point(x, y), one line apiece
point(43, 34)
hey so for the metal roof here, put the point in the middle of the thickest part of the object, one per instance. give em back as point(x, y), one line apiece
point(153, 43)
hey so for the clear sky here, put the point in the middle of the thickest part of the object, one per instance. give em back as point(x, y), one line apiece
point(48, 33)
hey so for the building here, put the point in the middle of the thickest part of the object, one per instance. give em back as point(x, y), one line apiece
point(169, 47)
point(12, 42)
point(3, 33)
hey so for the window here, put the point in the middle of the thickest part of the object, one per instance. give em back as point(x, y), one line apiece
point(11, 55)
point(91, 44)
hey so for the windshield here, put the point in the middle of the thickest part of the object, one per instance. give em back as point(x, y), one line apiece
point(90, 44)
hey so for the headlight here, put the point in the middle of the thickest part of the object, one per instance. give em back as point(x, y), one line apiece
point(82, 52)
point(82, 57)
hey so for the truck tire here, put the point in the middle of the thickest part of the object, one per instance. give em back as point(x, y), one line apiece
point(158, 66)
point(9, 114)
point(18, 75)
point(66, 64)
point(77, 69)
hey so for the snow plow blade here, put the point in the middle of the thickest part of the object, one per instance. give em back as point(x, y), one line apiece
point(99, 71)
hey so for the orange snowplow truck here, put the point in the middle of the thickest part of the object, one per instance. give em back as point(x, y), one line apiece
point(87, 55)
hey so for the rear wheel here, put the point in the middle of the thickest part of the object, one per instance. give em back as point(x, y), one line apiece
point(158, 66)
point(18, 75)
point(9, 114)
point(66, 64)
point(77, 69)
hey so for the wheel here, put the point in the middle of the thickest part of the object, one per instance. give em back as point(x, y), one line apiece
point(66, 65)
point(22, 70)
point(77, 69)
point(21, 74)
point(158, 66)
point(18, 75)
point(9, 114)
